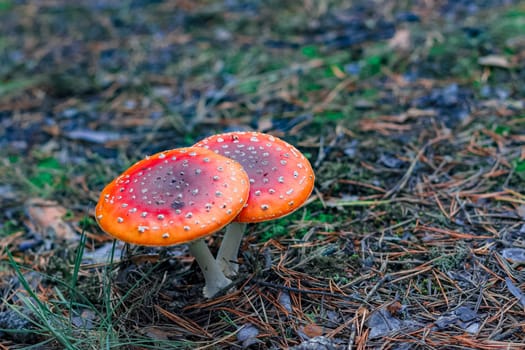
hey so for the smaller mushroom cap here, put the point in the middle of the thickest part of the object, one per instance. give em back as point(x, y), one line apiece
point(281, 178)
point(173, 197)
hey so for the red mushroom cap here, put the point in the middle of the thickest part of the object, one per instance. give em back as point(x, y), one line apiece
point(173, 197)
point(281, 178)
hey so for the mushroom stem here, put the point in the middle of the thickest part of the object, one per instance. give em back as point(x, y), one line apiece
point(213, 275)
point(229, 249)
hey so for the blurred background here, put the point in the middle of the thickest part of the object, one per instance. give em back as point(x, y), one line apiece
point(418, 100)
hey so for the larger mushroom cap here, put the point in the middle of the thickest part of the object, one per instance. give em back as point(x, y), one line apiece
point(281, 178)
point(173, 197)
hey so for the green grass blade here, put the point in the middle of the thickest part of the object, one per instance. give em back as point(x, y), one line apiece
point(41, 310)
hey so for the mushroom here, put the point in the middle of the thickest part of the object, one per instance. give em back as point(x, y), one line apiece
point(173, 197)
point(281, 179)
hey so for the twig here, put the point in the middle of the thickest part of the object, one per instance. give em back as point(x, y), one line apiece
point(351, 340)
point(306, 291)
point(402, 183)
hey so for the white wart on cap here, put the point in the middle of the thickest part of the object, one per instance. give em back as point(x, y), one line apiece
point(173, 197)
point(281, 178)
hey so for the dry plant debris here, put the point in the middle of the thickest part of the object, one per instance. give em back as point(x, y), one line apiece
point(411, 113)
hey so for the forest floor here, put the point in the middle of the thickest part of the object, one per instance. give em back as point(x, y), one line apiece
point(412, 114)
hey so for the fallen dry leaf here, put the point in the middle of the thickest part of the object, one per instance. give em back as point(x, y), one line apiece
point(46, 218)
point(394, 308)
point(382, 127)
point(401, 40)
point(495, 61)
point(312, 330)
point(156, 333)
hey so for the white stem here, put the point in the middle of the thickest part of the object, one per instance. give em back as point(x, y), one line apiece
point(213, 275)
point(229, 249)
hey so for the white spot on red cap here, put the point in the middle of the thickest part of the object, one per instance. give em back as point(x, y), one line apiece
point(163, 206)
point(271, 164)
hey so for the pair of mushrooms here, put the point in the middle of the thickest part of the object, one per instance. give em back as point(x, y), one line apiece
point(183, 195)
